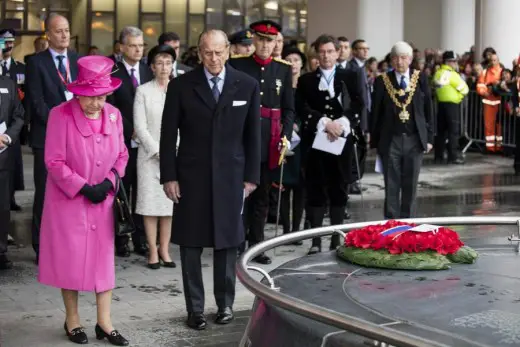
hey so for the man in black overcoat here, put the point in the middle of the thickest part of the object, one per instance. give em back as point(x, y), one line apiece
point(216, 110)
point(133, 72)
point(328, 97)
point(401, 130)
point(48, 72)
point(11, 123)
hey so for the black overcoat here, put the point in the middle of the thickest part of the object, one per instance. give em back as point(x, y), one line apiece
point(219, 150)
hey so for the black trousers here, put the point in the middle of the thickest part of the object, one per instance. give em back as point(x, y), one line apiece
point(130, 183)
point(448, 126)
point(401, 167)
point(40, 180)
point(325, 183)
point(298, 204)
point(224, 278)
point(256, 207)
point(5, 213)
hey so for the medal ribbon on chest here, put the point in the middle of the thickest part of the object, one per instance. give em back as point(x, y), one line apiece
point(404, 115)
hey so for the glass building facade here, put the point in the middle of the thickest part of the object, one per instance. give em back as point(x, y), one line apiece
point(98, 22)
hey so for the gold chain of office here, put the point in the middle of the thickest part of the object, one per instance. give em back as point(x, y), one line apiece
point(404, 115)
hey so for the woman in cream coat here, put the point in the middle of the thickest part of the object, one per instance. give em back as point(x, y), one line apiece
point(152, 202)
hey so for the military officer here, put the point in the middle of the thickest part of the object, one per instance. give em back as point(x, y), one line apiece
point(16, 71)
point(277, 108)
point(242, 43)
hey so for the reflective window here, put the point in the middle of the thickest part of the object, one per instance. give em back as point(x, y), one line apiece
point(152, 6)
point(36, 16)
point(290, 17)
point(63, 5)
point(152, 28)
point(102, 5)
point(214, 16)
point(303, 19)
point(197, 6)
point(196, 28)
point(271, 10)
point(14, 18)
point(176, 17)
point(103, 32)
point(127, 14)
point(234, 16)
point(253, 11)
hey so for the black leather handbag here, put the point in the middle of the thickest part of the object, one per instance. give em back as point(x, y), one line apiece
point(124, 224)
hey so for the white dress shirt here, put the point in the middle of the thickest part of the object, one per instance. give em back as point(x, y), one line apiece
point(65, 60)
point(406, 77)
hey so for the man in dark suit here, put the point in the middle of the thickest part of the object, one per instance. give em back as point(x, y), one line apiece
point(326, 100)
point(16, 71)
point(173, 39)
point(401, 130)
point(11, 123)
point(360, 51)
point(116, 56)
point(216, 167)
point(277, 111)
point(48, 72)
point(133, 73)
point(40, 45)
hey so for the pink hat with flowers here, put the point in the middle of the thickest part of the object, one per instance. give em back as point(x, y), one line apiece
point(94, 77)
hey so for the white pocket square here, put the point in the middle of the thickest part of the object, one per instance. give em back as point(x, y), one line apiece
point(239, 103)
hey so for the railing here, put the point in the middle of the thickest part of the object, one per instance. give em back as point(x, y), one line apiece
point(342, 321)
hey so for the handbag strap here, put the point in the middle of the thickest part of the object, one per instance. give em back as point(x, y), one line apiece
point(118, 180)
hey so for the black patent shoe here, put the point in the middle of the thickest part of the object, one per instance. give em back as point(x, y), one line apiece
point(224, 316)
point(197, 321)
point(262, 259)
point(170, 264)
point(76, 335)
point(154, 266)
point(114, 337)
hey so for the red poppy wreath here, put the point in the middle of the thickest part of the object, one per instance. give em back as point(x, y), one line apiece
point(400, 245)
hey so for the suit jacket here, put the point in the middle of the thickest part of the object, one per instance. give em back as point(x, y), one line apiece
point(45, 91)
point(181, 69)
point(17, 73)
point(219, 150)
point(384, 116)
point(27, 57)
point(123, 98)
point(11, 112)
point(363, 91)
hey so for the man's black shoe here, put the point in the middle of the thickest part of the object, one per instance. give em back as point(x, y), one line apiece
point(458, 161)
point(5, 264)
point(262, 259)
point(355, 189)
point(224, 316)
point(197, 321)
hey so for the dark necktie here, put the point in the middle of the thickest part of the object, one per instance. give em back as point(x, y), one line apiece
point(402, 85)
point(133, 78)
point(61, 67)
point(215, 91)
point(5, 71)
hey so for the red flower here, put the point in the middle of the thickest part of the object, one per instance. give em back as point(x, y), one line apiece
point(444, 241)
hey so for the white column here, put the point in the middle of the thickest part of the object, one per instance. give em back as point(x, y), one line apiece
point(358, 19)
point(373, 15)
point(496, 28)
point(457, 25)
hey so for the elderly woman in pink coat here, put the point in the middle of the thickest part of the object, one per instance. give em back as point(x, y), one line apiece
point(84, 143)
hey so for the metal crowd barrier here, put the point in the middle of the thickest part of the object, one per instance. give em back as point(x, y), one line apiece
point(274, 296)
point(472, 122)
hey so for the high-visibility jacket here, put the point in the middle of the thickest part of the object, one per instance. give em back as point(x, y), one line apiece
point(450, 86)
point(485, 80)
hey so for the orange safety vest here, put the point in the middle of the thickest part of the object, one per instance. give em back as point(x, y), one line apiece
point(488, 77)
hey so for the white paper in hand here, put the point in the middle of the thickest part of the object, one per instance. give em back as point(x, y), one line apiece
point(295, 140)
point(322, 142)
point(243, 201)
point(379, 165)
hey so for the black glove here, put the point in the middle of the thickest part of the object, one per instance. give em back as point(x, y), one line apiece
point(94, 195)
point(104, 186)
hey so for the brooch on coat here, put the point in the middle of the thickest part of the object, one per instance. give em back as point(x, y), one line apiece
point(112, 117)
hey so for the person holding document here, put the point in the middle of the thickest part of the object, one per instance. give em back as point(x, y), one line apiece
point(215, 110)
point(325, 102)
point(401, 130)
point(11, 123)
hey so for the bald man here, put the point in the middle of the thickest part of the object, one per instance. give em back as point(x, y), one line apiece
point(48, 72)
point(401, 130)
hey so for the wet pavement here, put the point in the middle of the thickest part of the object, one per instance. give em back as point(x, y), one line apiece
point(148, 306)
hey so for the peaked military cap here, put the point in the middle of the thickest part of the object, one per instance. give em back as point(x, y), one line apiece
point(244, 37)
point(266, 28)
point(7, 34)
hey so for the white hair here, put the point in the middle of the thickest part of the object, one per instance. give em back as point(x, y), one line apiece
point(129, 31)
point(402, 48)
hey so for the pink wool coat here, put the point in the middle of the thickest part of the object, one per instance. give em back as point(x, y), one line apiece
point(77, 236)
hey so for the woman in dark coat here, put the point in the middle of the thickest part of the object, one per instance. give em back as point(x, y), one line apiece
point(292, 176)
